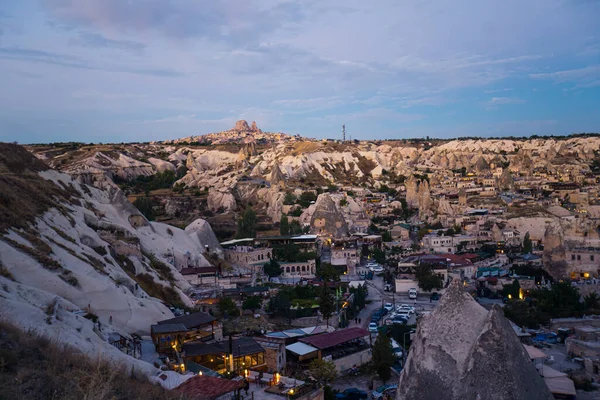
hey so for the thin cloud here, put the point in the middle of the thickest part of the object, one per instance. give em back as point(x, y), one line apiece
point(89, 39)
point(572, 75)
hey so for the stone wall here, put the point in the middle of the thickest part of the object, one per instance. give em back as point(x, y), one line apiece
point(579, 348)
point(360, 358)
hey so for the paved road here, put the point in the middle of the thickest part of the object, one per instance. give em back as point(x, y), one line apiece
point(377, 295)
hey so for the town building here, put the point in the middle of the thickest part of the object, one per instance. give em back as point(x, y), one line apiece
point(171, 334)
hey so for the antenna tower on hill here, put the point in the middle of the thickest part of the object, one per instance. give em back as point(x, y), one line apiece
point(344, 133)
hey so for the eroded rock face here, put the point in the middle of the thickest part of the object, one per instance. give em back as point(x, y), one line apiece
point(412, 198)
point(277, 178)
point(555, 255)
point(444, 207)
point(506, 182)
point(220, 200)
point(242, 125)
point(424, 196)
point(462, 351)
point(327, 217)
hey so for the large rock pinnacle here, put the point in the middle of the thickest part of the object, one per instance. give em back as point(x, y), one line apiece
point(462, 351)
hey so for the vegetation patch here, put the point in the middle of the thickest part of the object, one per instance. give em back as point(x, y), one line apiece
point(63, 235)
point(25, 195)
point(33, 367)
point(163, 270)
point(70, 279)
point(5, 272)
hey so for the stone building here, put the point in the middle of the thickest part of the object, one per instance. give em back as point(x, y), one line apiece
point(299, 269)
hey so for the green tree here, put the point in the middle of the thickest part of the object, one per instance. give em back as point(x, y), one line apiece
point(513, 290)
point(295, 227)
point(326, 303)
point(427, 278)
point(561, 301)
point(328, 273)
point(246, 225)
point(322, 371)
point(383, 357)
point(144, 204)
point(252, 303)
point(227, 305)
point(524, 314)
point(281, 304)
point(284, 225)
point(289, 199)
point(527, 246)
point(306, 198)
point(378, 255)
point(360, 296)
point(272, 269)
point(591, 303)
point(386, 236)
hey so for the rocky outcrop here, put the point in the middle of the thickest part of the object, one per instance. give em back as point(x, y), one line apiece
point(203, 233)
point(277, 178)
point(424, 198)
point(462, 351)
point(161, 165)
point(555, 256)
point(220, 200)
point(242, 125)
point(506, 182)
point(327, 218)
point(444, 207)
point(412, 198)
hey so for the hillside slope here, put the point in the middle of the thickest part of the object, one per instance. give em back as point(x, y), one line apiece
point(68, 249)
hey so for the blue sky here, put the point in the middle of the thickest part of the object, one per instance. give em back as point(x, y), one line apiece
point(140, 70)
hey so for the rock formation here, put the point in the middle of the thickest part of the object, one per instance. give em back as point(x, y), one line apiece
point(220, 200)
point(462, 351)
point(327, 218)
point(424, 198)
point(462, 197)
point(412, 198)
point(506, 182)
point(444, 207)
point(277, 178)
point(555, 256)
point(241, 125)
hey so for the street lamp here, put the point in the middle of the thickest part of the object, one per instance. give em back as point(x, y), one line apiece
point(404, 347)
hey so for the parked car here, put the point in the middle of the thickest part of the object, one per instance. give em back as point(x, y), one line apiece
point(388, 306)
point(404, 315)
point(352, 394)
point(400, 320)
point(407, 309)
point(378, 269)
point(434, 296)
point(412, 293)
point(381, 390)
point(373, 327)
point(402, 306)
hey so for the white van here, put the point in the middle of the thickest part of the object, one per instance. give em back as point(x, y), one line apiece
point(412, 293)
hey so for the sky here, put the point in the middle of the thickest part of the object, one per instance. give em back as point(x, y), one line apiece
point(142, 70)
